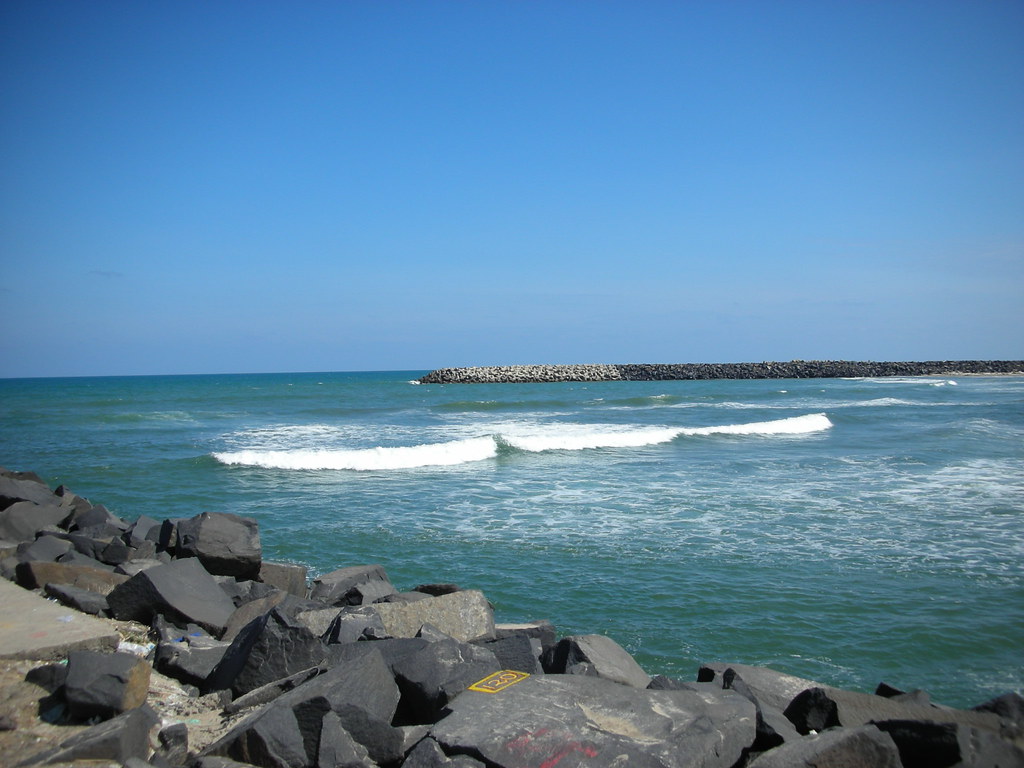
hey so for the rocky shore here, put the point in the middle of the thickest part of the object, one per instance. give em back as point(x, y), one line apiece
point(173, 643)
point(794, 369)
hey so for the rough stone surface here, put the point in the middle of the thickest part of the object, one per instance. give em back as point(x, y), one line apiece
point(83, 600)
point(181, 590)
point(606, 658)
point(269, 648)
point(105, 684)
point(226, 544)
point(464, 615)
point(864, 746)
point(356, 585)
point(285, 576)
point(545, 719)
point(24, 519)
point(119, 739)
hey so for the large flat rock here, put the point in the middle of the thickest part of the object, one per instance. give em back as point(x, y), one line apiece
point(32, 627)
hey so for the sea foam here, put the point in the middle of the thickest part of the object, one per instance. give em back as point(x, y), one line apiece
point(562, 437)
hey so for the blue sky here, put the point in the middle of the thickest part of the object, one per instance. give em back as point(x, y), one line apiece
point(194, 187)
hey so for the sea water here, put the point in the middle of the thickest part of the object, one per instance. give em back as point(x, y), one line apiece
point(849, 531)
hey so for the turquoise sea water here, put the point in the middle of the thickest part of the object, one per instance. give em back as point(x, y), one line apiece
point(850, 531)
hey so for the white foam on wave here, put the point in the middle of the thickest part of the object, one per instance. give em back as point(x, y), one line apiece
point(562, 437)
point(367, 459)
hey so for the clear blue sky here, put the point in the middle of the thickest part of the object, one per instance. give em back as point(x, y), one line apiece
point(192, 187)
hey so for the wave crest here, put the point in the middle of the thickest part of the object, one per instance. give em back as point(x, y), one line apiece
point(450, 453)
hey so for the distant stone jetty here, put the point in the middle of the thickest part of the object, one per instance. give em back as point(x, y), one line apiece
point(794, 369)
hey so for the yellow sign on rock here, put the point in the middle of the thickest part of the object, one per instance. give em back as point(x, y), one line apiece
point(499, 681)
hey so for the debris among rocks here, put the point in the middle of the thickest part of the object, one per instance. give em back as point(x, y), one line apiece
point(239, 662)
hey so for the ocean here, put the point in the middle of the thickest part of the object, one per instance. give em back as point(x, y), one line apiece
point(850, 531)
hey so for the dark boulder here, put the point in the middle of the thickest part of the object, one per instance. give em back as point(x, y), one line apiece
point(23, 520)
point(862, 746)
point(226, 544)
point(519, 652)
point(24, 486)
point(189, 655)
point(353, 624)
point(36, 574)
point(924, 744)
point(428, 754)
point(288, 731)
point(545, 719)
point(47, 548)
point(269, 648)
point(83, 600)
point(104, 685)
point(286, 576)
point(773, 727)
point(181, 590)
point(119, 739)
point(434, 675)
point(606, 658)
point(356, 585)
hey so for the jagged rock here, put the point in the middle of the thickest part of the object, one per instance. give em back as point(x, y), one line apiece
point(545, 719)
point(924, 744)
point(352, 624)
point(247, 612)
point(464, 615)
point(23, 486)
point(772, 688)
point(267, 693)
point(773, 727)
point(428, 754)
point(105, 684)
point(142, 530)
point(356, 585)
point(269, 648)
point(22, 520)
point(337, 748)
point(286, 576)
point(46, 548)
point(542, 631)
point(247, 590)
point(318, 620)
point(34, 575)
point(134, 566)
point(74, 557)
point(83, 600)
point(863, 746)
point(812, 711)
point(189, 656)
point(607, 658)
point(181, 590)
point(96, 516)
point(119, 739)
point(225, 544)
point(287, 731)
point(49, 677)
point(432, 676)
point(1009, 706)
point(516, 651)
point(89, 546)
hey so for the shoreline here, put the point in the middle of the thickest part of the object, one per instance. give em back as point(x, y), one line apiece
point(793, 369)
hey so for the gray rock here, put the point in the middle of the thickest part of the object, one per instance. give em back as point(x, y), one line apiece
point(36, 574)
point(83, 600)
point(516, 651)
point(119, 739)
point(267, 693)
point(924, 744)
point(287, 731)
point(96, 516)
point(73, 557)
point(46, 548)
point(253, 609)
point(773, 727)
point(105, 684)
point(432, 676)
point(317, 620)
point(173, 747)
point(464, 615)
point(353, 624)
point(269, 648)
point(542, 631)
point(142, 530)
point(24, 486)
point(189, 657)
point(181, 590)
point(428, 754)
point(286, 576)
point(545, 719)
point(225, 544)
point(863, 746)
point(337, 748)
point(607, 658)
point(357, 585)
point(22, 520)
point(772, 688)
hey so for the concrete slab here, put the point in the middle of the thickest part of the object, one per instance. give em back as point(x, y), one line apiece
point(32, 627)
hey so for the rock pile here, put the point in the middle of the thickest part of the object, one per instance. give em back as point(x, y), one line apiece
point(794, 369)
point(350, 672)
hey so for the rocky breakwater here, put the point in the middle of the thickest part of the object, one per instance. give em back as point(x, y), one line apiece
point(794, 369)
point(347, 670)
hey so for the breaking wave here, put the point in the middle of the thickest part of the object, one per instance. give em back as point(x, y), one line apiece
point(561, 438)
